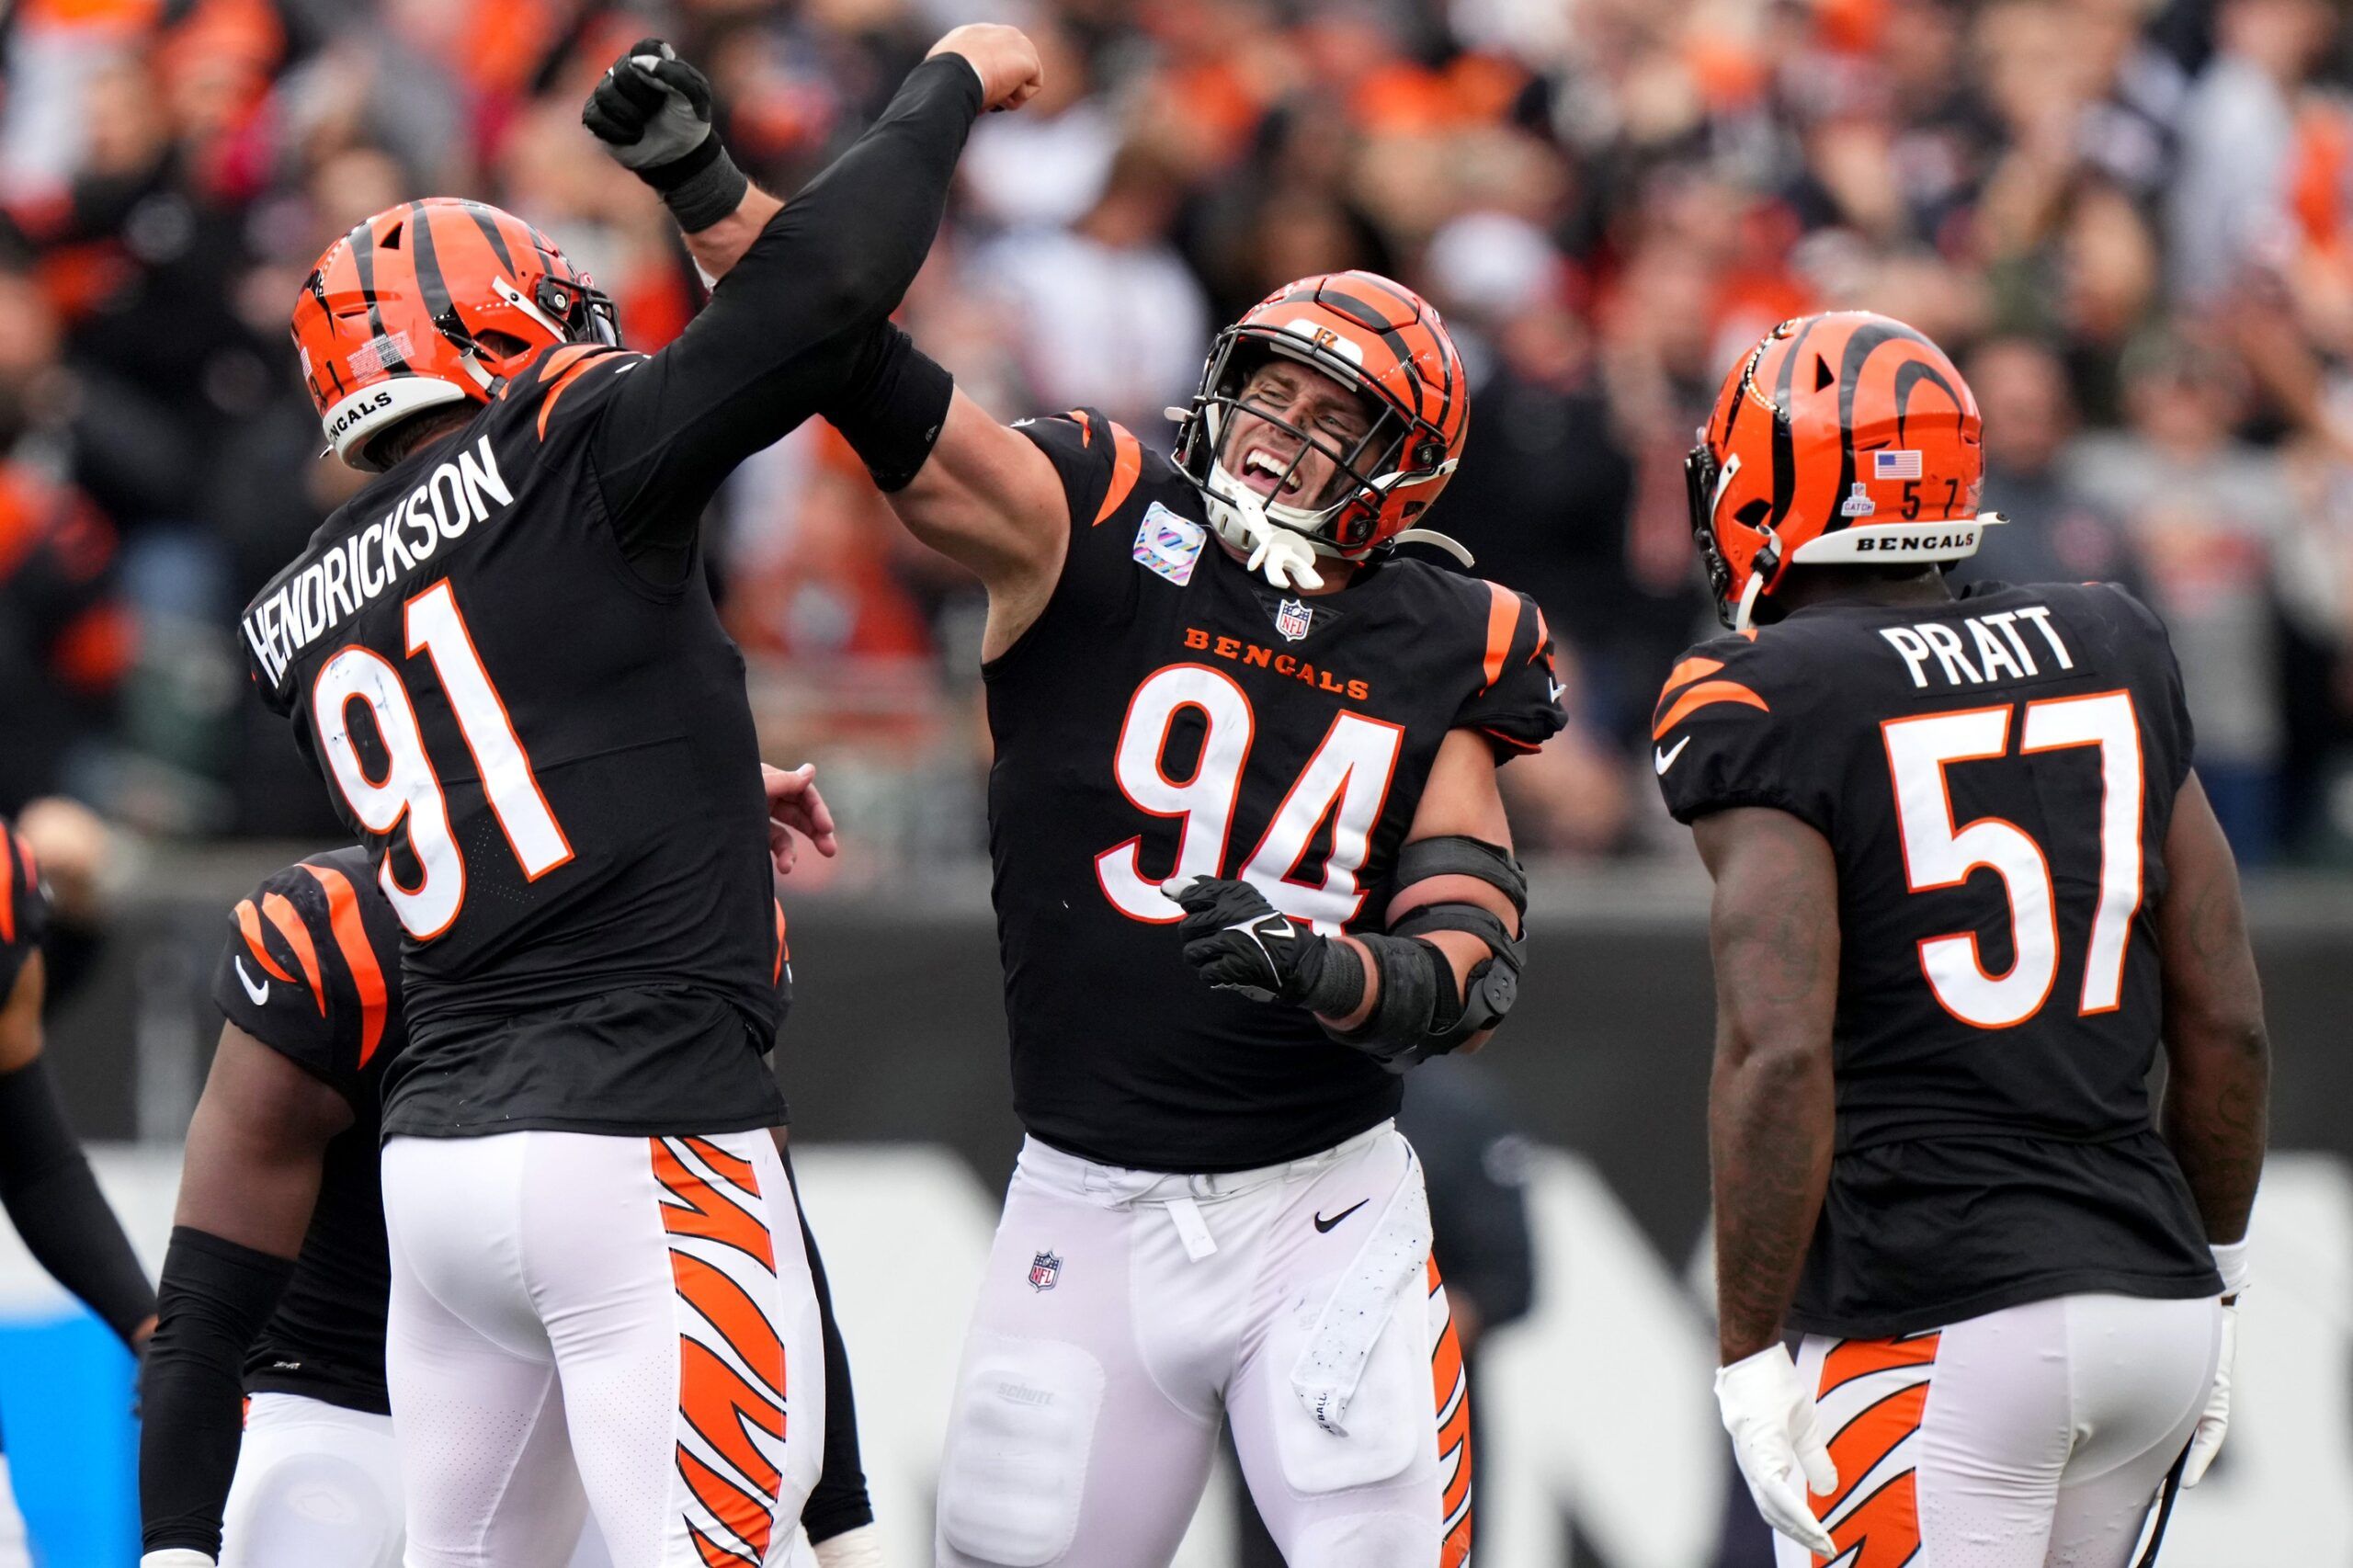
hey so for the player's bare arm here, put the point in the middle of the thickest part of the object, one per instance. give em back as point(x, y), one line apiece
point(1446, 970)
point(255, 1152)
point(1773, 932)
point(989, 499)
point(45, 1181)
point(2217, 1052)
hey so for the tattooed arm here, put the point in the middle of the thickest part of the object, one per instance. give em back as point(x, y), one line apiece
point(2218, 1055)
point(1774, 934)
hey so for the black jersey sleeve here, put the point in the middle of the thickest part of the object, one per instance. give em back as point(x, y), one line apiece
point(1518, 703)
point(2175, 741)
point(24, 909)
point(784, 327)
point(1100, 463)
point(302, 973)
point(1727, 733)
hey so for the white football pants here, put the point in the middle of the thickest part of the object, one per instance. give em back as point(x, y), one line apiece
point(1124, 1312)
point(2032, 1436)
point(632, 1315)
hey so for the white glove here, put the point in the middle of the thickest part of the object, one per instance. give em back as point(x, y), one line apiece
point(1774, 1436)
point(2215, 1420)
point(176, 1557)
point(860, 1548)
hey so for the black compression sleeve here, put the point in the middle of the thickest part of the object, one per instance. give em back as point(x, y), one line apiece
point(894, 406)
point(785, 328)
point(838, 1503)
point(216, 1297)
point(57, 1208)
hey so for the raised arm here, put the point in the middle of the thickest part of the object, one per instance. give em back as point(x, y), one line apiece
point(255, 1150)
point(799, 284)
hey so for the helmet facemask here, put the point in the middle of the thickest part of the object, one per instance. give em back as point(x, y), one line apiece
point(1343, 520)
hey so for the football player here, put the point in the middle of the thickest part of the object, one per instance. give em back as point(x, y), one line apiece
point(1237, 741)
point(1966, 884)
point(45, 1183)
point(274, 1290)
point(502, 656)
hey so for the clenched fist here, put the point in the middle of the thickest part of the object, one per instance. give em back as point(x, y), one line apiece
point(1002, 57)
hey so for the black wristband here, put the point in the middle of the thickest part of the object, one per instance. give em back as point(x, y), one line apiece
point(893, 408)
point(217, 1296)
point(701, 188)
point(1332, 980)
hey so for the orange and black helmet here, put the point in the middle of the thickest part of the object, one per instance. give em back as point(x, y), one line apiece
point(1382, 341)
point(1846, 438)
point(432, 302)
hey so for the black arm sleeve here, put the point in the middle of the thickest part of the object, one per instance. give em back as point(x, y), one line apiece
point(788, 324)
point(217, 1296)
point(56, 1206)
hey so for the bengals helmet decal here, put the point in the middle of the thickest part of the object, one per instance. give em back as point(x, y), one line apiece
point(1846, 438)
point(430, 302)
point(1385, 343)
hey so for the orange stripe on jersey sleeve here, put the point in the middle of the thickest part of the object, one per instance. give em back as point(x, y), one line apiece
point(7, 886)
point(1086, 427)
point(1503, 620)
point(1689, 670)
point(562, 383)
point(1699, 697)
point(297, 937)
point(351, 941)
point(783, 948)
point(1126, 461)
point(249, 923)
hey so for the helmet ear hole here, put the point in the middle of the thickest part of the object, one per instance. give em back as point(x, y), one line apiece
point(500, 344)
point(1752, 512)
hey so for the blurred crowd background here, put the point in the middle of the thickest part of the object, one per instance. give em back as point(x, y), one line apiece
point(2131, 220)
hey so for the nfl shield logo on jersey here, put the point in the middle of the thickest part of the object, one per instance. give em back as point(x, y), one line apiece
point(1044, 1269)
point(1292, 618)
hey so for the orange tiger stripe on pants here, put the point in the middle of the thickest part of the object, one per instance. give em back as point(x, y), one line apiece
point(1883, 1530)
point(741, 1418)
point(1451, 1389)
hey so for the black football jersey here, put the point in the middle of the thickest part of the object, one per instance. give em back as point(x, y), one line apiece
point(1170, 714)
point(552, 759)
point(312, 970)
point(24, 909)
point(1995, 777)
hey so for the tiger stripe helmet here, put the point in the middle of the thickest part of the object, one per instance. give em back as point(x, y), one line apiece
point(431, 302)
point(1846, 438)
point(1382, 341)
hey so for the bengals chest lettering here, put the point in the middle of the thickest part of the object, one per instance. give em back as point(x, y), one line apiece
point(1290, 666)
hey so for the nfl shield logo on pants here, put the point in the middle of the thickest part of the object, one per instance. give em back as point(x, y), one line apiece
point(1292, 618)
point(1044, 1269)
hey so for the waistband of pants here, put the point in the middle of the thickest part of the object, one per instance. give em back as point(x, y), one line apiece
point(1112, 1186)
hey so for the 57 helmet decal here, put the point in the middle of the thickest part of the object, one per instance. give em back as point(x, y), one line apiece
point(1844, 438)
point(1380, 340)
point(431, 302)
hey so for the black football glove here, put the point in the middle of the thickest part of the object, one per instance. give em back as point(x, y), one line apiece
point(1236, 941)
point(652, 111)
point(651, 108)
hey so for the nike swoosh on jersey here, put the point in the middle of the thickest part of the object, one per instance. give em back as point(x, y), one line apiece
point(1323, 1224)
point(1663, 760)
point(261, 993)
